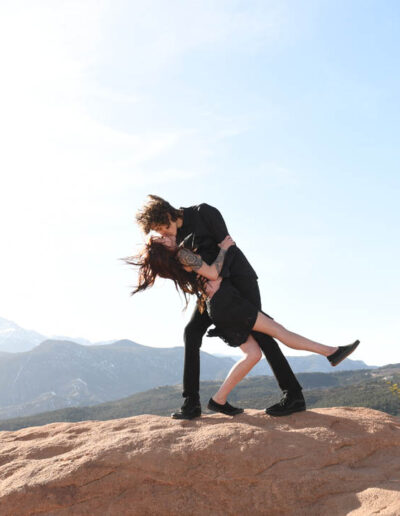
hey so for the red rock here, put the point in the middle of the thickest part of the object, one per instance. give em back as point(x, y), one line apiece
point(330, 462)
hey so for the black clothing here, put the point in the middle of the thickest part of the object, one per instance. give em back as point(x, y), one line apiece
point(233, 315)
point(197, 327)
point(192, 337)
point(248, 287)
point(203, 228)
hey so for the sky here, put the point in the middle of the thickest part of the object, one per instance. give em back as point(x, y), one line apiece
point(282, 114)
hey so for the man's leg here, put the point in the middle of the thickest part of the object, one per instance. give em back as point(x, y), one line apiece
point(248, 287)
point(193, 335)
point(292, 400)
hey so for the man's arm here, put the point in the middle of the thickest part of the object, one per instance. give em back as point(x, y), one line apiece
point(214, 221)
point(194, 262)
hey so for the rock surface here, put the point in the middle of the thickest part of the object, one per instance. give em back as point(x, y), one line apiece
point(331, 461)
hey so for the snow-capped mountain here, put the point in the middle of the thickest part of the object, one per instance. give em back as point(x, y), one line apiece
point(14, 339)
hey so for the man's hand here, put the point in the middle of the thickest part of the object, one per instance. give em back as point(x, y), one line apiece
point(226, 243)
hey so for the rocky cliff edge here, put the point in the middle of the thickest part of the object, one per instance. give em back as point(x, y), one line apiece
point(328, 461)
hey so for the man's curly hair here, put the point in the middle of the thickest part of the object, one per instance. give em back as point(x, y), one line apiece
point(155, 213)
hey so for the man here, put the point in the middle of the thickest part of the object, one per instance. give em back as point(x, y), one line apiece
point(200, 228)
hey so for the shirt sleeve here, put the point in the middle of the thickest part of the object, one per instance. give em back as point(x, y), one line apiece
point(214, 221)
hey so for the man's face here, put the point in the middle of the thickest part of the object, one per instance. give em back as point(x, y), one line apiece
point(167, 230)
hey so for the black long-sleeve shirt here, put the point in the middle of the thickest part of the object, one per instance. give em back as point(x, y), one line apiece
point(203, 228)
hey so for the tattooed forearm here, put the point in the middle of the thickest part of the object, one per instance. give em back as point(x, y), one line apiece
point(189, 259)
point(219, 261)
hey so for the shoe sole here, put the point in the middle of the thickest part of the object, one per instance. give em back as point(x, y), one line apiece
point(343, 357)
point(287, 413)
point(185, 417)
point(226, 414)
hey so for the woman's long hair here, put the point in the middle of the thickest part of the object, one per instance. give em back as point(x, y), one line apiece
point(155, 259)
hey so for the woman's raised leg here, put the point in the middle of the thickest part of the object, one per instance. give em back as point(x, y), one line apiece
point(290, 339)
point(252, 354)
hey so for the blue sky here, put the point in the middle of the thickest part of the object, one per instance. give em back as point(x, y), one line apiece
point(282, 114)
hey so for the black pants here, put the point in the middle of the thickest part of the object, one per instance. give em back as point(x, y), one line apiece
point(197, 327)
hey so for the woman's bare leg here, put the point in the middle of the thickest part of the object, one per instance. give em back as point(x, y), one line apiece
point(292, 340)
point(252, 354)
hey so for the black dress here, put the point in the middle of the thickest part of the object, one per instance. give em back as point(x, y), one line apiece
point(233, 315)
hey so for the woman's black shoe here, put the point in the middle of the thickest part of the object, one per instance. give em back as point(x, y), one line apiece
point(224, 409)
point(342, 353)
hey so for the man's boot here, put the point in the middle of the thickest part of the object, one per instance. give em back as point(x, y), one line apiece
point(190, 409)
point(291, 402)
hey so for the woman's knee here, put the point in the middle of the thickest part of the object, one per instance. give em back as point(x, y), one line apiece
point(256, 355)
point(252, 352)
point(252, 358)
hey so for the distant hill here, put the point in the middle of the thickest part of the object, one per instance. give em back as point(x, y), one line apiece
point(357, 388)
point(14, 339)
point(59, 374)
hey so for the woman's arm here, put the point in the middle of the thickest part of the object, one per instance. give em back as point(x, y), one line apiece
point(194, 262)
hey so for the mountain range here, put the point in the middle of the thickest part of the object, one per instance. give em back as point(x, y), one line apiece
point(14, 339)
point(58, 374)
point(53, 374)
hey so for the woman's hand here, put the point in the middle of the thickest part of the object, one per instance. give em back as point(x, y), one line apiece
point(226, 243)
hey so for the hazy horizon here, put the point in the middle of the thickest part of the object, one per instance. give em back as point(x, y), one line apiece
point(224, 352)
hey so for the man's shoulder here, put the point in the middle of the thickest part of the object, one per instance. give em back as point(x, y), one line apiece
point(202, 208)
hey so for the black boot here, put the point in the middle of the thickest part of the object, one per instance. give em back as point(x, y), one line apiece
point(190, 409)
point(291, 402)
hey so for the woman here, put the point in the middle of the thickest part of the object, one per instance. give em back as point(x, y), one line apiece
point(233, 316)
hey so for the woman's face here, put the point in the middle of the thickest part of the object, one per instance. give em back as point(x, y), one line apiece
point(168, 241)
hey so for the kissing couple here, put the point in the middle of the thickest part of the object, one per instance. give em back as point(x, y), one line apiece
point(192, 248)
